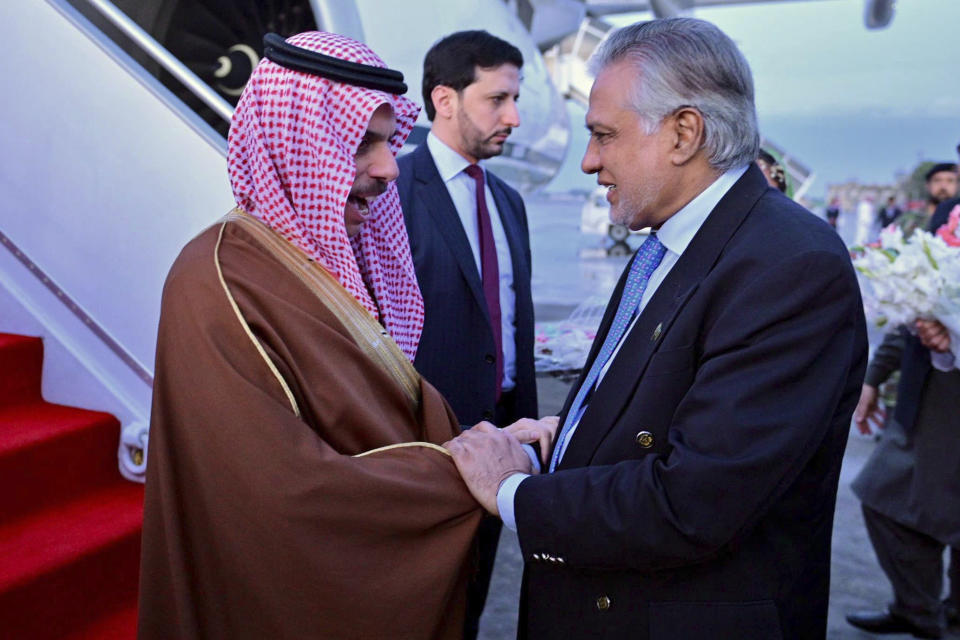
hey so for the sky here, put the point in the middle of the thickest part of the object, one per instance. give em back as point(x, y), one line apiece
point(850, 103)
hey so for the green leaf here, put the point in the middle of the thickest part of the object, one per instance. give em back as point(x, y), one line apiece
point(929, 254)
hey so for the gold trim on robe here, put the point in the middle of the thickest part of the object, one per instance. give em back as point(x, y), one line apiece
point(246, 327)
point(369, 334)
point(342, 519)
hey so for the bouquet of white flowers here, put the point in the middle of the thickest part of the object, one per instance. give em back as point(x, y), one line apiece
point(905, 279)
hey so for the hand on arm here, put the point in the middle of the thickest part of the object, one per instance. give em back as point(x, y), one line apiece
point(485, 457)
point(760, 412)
point(868, 415)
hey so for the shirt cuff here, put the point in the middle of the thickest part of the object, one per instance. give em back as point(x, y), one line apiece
point(533, 455)
point(945, 361)
point(505, 497)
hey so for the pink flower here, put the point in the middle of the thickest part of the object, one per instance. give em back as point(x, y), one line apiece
point(949, 231)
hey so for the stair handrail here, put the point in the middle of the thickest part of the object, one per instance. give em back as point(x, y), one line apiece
point(146, 43)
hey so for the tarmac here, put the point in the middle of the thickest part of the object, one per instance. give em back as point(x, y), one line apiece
point(857, 582)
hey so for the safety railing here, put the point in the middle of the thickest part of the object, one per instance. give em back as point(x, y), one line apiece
point(146, 43)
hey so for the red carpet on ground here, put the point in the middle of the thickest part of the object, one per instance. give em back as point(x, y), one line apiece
point(69, 522)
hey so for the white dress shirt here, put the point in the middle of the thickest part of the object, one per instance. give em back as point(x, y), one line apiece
point(675, 234)
point(463, 191)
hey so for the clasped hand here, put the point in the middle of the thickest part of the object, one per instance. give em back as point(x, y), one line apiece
point(868, 415)
point(486, 455)
point(933, 335)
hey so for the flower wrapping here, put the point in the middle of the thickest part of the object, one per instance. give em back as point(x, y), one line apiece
point(562, 347)
point(950, 232)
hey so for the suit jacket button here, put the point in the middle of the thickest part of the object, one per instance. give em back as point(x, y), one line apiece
point(603, 603)
point(489, 358)
point(645, 439)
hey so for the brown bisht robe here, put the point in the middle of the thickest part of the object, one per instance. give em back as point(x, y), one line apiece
point(260, 520)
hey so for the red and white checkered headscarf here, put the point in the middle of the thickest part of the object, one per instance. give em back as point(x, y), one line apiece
point(291, 159)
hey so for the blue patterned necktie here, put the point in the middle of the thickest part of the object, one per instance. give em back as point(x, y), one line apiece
point(648, 258)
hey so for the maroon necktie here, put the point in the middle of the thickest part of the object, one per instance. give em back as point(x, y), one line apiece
point(490, 272)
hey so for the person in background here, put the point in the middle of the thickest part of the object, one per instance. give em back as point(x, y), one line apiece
point(910, 486)
point(941, 184)
point(471, 249)
point(833, 212)
point(889, 213)
point(772, 170)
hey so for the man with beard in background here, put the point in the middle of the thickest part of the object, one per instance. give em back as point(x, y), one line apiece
point(471, 248)
point(941, 182)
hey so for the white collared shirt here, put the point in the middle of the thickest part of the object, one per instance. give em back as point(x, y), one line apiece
point(463, 192)
point(675, 234)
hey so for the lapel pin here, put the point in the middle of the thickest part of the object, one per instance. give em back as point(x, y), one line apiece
point(657, 332)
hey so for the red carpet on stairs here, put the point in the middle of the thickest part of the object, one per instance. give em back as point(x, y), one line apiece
point(69, 523)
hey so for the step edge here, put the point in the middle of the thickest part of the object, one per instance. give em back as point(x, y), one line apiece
point(131, 525)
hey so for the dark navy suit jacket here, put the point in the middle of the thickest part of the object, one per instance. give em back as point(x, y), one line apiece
point(456, 352)
point(695, 500)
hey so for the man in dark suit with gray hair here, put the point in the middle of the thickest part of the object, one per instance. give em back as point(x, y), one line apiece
point(692, 484)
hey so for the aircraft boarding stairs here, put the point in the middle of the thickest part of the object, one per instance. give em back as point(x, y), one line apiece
point(104, 175)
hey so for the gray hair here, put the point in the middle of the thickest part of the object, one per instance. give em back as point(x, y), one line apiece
point(684, 62)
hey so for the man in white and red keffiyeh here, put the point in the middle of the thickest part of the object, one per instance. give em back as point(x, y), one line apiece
point(296, 487)
point(301, 154)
